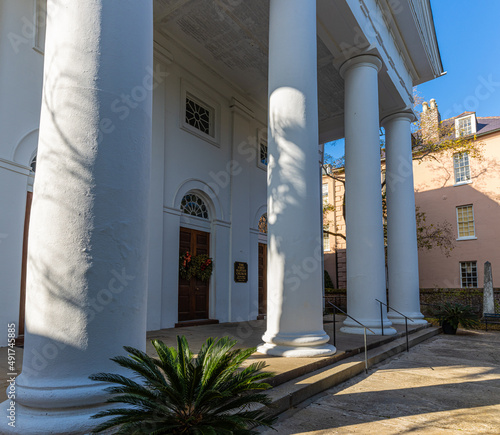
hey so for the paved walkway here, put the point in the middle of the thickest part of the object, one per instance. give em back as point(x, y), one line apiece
point(447, 385)
point(247, 334)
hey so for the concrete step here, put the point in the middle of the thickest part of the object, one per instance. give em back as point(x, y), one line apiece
point(289, 374)
point(299, 389)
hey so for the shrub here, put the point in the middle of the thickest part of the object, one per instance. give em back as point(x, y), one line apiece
point(457, 314)
point(328, 280)
point(183, 394)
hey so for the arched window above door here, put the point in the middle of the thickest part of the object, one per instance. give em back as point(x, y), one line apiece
point(193, 205)
point(263, 224)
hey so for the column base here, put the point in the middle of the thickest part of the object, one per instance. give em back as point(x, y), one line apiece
point(351, 327)
point(398, 319)
point(63, 421)
point(297, 351)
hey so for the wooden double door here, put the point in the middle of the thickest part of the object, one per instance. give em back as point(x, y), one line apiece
point(262, 280)
point(193, 293)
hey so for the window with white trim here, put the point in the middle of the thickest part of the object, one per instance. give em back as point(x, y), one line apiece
point(465, 126)
point(465, 222)
point(461, 167)
point(40, 25)
point(199, 115)
point(326, 238)
point(193, 205)
point(325, 193)
point(468, 273)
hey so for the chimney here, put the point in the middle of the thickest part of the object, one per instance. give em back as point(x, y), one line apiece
point(429, 121)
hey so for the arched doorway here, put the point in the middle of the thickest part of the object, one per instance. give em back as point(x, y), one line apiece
point(195, 264)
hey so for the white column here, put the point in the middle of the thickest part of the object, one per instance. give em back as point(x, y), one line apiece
point(364, 226)
point(294, 277)
point(402, 251)
point(87, 260)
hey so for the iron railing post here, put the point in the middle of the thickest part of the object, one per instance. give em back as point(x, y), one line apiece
point(366, 353)
point(407, 342)
point(335, 308)
point(399, 312)
point(381, 317)
point(334, 329)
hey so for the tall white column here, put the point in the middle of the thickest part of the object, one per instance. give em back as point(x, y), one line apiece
point(402, 251)
point(294, 277)
point(364, 226)
point(87, 260)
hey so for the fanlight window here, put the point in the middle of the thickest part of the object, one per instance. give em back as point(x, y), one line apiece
point(193, 205)
point(263, 224)
point(33, 164)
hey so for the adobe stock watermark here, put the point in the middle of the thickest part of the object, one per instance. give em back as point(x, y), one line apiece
point(302, 271)
point(484, 89)
point(403, 173)
point(30, 26)
point(11, 374)
point(221, 179)
point(40, 357)
point(123, 106)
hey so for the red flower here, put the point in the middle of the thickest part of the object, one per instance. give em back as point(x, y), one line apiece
point(187, 259)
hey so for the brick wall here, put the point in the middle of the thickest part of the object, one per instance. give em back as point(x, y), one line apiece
point(430, 297)
point(465, 296)
point(429, 122)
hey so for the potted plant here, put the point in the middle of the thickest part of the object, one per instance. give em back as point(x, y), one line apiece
point(451, 315)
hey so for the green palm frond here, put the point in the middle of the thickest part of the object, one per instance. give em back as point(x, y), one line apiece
point(180, 393)
point(457, 314)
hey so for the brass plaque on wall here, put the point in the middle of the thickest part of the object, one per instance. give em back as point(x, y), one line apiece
point(240, 271)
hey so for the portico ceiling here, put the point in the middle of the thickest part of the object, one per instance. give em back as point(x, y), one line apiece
point(231, 37)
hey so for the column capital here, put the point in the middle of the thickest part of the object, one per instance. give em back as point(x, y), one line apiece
point(409, 115)
point(369, 60)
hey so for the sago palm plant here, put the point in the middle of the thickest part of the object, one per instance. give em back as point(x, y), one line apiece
point(179, 393)
point(455, 314)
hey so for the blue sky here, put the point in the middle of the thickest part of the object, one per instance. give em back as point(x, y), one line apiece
point(469, 41)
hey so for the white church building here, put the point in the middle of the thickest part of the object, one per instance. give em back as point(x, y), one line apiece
point(134, 131)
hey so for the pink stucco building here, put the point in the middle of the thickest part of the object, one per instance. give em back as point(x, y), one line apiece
point(458, 188)
point(463, 190)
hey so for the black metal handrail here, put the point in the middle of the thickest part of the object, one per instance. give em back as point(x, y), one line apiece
point(399, 312)
point(358, 322)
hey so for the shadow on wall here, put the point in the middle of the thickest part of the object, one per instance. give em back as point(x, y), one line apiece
point(83, 211)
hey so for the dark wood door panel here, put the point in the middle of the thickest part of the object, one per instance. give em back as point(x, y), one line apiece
point(262, 279)
point(193, 293)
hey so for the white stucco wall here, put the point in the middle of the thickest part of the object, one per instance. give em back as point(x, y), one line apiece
point(21, 88)
point(226, 172)
point(20, 75)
